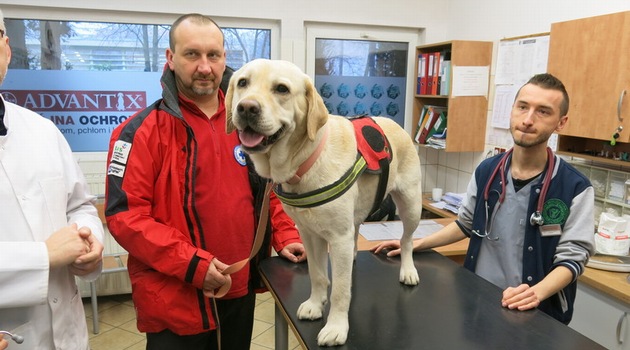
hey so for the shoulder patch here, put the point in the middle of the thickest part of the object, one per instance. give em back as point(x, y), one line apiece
point(120, 153)
point(116, 170)
point(555, 211)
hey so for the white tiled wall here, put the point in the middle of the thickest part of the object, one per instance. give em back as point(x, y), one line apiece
point(449, 170)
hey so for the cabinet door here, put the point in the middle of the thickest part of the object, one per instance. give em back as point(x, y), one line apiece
point(601, 319)
point(590, 56)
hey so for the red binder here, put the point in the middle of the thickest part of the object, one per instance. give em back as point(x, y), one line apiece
point(436, 73)
point(433, 115)
point(424, 80)
point(430, 67)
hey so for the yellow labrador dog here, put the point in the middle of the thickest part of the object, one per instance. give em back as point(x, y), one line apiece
point(283, 124)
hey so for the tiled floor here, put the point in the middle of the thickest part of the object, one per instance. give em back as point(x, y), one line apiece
point(118, 330)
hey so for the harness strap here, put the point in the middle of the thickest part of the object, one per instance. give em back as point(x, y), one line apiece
point(382, 185)
point(311, 160)
point(324, 194)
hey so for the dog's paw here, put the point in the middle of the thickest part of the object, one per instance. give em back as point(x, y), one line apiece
point(409, 277)
point(333, 333)
point(310, 310)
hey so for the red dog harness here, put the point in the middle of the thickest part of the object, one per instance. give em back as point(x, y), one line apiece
point(373, 156)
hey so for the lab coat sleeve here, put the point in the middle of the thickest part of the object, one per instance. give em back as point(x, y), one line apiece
point(23, 274)
point(80, 207)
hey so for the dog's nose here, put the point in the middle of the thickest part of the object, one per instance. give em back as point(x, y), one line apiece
point(248, 108)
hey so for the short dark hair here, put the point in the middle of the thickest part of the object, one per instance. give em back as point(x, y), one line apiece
point(549, 82)
point(196, 18)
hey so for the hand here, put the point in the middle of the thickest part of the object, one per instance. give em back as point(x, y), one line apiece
point(214, 278)
point(393, 246)
point(89, 262)
point(65, 246)
point(293, 252)
point(522, 298)
point(3, 343)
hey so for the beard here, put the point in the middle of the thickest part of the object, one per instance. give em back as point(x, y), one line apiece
point(203, 91)
point(203, 88)
point(524, 142)
point(194, 88)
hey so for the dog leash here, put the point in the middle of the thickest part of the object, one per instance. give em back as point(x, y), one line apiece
point(237, 266)
point(258, 240)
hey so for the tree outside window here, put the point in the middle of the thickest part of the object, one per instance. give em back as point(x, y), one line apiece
point(100, 46)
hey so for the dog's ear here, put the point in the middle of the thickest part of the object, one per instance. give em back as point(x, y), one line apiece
point(317, 114)
point(229, 125)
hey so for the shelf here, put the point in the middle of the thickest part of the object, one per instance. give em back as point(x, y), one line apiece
point(466, 115)
point(432, 96)
point(585, 148)
point(601, 160)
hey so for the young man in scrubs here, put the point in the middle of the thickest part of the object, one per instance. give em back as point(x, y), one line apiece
point(528, 213)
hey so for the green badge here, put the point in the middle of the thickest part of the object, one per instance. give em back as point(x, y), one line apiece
point(555, 211)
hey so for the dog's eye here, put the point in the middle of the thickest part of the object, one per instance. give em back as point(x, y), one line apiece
point(242, 82)
point(283, 89)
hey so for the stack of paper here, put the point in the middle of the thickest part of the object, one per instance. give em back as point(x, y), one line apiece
point(436, 143)
point(453, 201)
point(437, 140)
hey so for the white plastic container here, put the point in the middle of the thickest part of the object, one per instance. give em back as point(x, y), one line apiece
point(612, 237)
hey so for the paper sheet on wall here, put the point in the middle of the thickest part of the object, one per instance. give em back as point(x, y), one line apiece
point(386, 230)
point(502, 107)
point(470, 81)
point(518, 60)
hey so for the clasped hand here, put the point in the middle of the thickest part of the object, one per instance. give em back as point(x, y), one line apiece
point(76, 248)
point(522, 298)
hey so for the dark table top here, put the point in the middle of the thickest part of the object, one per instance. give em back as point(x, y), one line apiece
point(451, 308)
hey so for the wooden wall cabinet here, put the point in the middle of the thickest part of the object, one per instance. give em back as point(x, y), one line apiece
point(467, 115)
point(590, 56)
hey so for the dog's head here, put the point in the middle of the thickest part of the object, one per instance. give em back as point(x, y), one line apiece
point(270, 100)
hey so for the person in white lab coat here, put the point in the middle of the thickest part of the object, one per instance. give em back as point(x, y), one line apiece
point(50, 231)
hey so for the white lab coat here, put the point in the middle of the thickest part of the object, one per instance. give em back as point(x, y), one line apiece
point(42, 189)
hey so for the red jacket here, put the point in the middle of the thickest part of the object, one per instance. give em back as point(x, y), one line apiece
point(152, 212)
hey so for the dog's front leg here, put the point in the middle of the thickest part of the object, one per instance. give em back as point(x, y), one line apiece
point(317, 252)
point(335, 332)
point(408, 272)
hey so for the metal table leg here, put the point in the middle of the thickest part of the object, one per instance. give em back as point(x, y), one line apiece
point(282, 330)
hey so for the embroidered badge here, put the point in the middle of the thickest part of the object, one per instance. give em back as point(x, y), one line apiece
point(555, 211)
point(116, 170)
point(120, 153)
point(239, 155)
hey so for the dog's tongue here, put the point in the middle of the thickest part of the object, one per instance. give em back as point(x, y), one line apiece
point(250, 139)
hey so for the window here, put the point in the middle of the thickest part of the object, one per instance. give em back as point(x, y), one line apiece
point(103, 46)
point(88, 77)
point(357, 77)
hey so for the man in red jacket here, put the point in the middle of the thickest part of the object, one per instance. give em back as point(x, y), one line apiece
point(183, 201)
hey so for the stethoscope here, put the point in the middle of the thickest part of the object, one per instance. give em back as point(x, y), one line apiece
point(536, 218)
point(16, 338)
